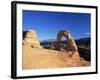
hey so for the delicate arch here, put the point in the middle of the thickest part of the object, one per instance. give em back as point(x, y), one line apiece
point(71, 43)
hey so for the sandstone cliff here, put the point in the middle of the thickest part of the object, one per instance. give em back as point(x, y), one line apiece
point(31, 40)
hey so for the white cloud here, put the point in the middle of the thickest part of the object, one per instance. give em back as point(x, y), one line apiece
point(87, 33)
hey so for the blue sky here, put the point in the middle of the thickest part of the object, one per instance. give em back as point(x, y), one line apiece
point(48, 24)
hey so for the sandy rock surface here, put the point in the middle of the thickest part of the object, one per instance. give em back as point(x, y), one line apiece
point(43, 58)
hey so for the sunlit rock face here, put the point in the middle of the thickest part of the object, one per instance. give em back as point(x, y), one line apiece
point(72, 47)
point(31, 40)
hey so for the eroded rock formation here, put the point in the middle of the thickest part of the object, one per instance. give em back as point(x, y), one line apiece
point(72, 47)
point(30, 39)
point(34, 56)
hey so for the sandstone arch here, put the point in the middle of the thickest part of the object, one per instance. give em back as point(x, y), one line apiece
point(71, 43)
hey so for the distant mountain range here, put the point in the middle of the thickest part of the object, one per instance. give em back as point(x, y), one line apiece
point(48, 40)
point(86, 41)
point(80, 41)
